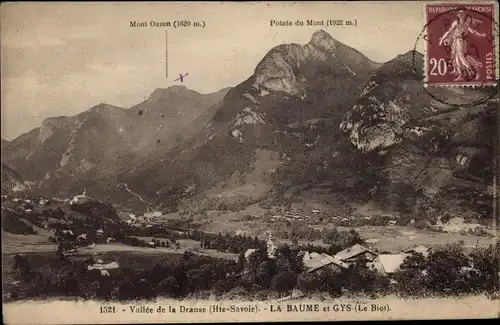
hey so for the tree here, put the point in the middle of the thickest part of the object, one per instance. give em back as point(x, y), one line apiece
point(70, 285)
point(196, 280)
point(241, 261)
point(168, 287)
point(21, 263)
point(284, 281)
point(256, 242)
point(187, 255)
point(265, 273)
point(486, 262)
point(361, 279)
point(411, 275)
point(144, 289)
point(444, 269)
point(308, 283)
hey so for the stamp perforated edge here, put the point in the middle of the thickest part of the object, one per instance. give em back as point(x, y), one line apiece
point(495, 21)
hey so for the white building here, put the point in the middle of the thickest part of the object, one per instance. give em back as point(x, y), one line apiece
point(83, 198)
point(151, 215)
point(271, 248)
point(249, 252)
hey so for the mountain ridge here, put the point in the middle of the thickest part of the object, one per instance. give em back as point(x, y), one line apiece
point(315, 113)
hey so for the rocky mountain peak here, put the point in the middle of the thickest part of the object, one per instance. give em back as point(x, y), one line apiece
point(103, 107)
point(322, 40)
point(167, 93)
point(285, 67)
point(410, 55)
point(50, 125)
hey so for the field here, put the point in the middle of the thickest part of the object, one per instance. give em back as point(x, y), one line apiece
point(188, 244)
point(396, 238)
point(384, 238)
point(12, 243)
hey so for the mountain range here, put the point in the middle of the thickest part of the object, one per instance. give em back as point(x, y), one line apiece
point(310, 115)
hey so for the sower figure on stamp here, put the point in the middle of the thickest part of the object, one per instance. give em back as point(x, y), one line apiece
point(464, 65)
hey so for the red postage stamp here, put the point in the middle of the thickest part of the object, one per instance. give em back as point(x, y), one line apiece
point(460, 44)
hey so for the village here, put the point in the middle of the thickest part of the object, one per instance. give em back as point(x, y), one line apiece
point(87, 232)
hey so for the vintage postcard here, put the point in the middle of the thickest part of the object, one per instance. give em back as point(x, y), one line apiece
point(167, 162)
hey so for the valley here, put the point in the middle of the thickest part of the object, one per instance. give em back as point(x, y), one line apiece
point(320, 151)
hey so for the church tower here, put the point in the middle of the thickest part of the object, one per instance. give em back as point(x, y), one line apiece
point(271, 248)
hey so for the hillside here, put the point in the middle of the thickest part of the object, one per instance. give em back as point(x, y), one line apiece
point(292, 103)
point(12, 182)
point(425, 153)
point(64, 153)
point(5, 143)
point(314, 116)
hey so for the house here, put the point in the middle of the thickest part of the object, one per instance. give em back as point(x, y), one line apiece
point(152, 244)
point(305, 257)
point(316, 211)
point(67, 232)
point(392, 223)
point(83, 198)
point(315, 262)
point(314, 255)
point(249, 252)
point(110, 240)
point(43, 202)
point(419, 249)
point(99, 232)
point(152, 215)
point(456, 224)
point(354, 253)
point(82, 237)
point(387, 263)
point(99, 265)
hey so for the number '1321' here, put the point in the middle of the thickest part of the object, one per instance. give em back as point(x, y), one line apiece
point(108, 310)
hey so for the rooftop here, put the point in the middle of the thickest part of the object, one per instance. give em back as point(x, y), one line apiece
point(352, 252)
point(391, 262)
point(321, 260)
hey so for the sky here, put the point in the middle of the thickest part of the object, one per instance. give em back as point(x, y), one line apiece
point(63, 58)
